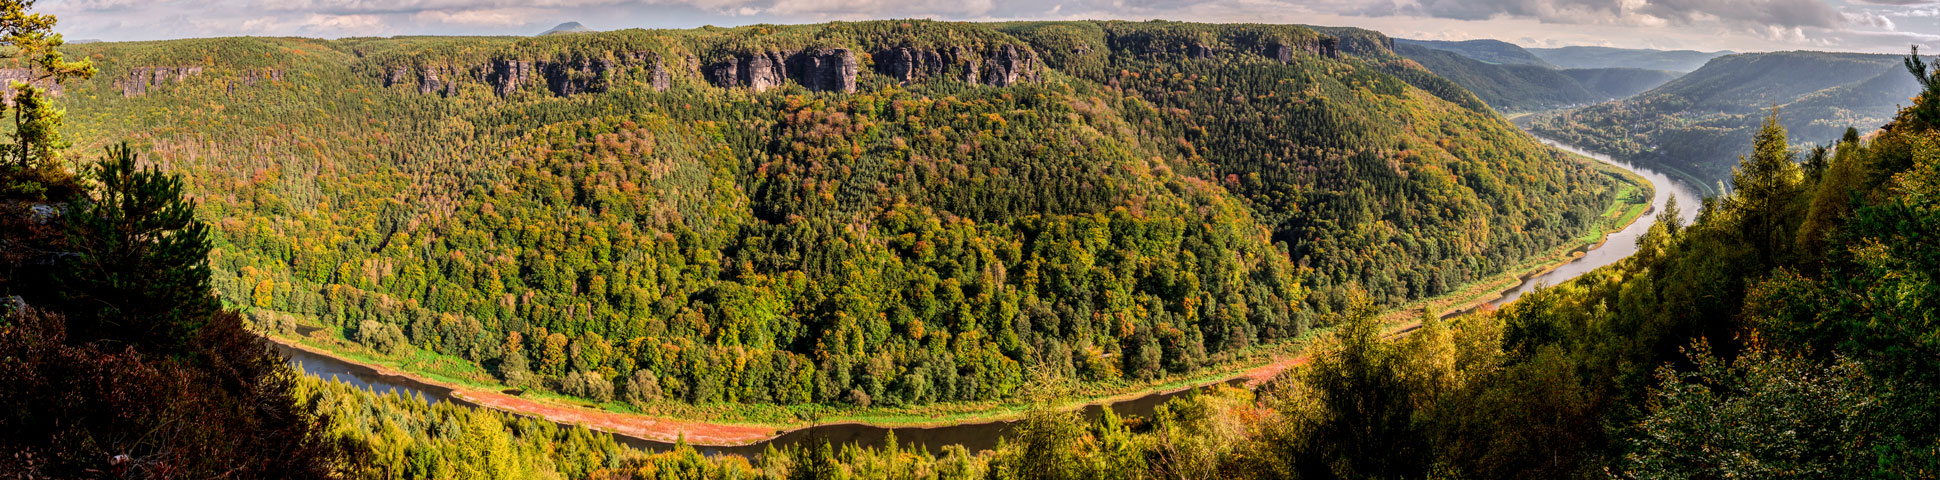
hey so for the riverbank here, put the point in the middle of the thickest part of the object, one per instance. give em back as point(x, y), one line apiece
point(742, 425)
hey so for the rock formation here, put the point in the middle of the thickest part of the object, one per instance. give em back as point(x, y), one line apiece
point(142, 79)
point(821, 70)
point(562, 78)
point(1198, 50)
point(1009, 65)
point(1004, 65)
point(1324, 46)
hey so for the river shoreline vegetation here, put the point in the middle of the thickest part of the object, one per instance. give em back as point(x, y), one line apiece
point(1074, 203)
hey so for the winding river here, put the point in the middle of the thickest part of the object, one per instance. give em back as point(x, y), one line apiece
point(980, 436)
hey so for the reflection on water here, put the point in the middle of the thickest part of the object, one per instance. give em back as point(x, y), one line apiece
point(983, 436)
point(1621, 244)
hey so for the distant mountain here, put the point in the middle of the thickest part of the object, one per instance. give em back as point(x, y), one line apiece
point(568, 27)
point(1487, 51)
point(1606, 57)
point(1522, 88)
point(1620, 82)
point(1699, 123)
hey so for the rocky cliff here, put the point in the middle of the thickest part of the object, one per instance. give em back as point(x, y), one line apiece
point(564, 78)
point(1324, 46)
point(1000, 66)
point(142, 79)
point(23, 75)
point(821, 70)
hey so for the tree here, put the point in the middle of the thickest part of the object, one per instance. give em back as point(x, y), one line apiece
point(138, 274)
point(1764, 185)
point(37, 136)
point(1764, 416)
point(642, 387)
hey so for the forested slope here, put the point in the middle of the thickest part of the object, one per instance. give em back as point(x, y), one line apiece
point(1609, 57)
point(1783, 334)
point(1694, 124)
point(849, 213)
point(1495, 52)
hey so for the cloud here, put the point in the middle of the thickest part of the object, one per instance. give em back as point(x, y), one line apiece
point(1868, 18)
point(1745, 25)
point(487, 17)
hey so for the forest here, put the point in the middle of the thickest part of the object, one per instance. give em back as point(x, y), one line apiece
point(1714, 352)
point(585, 214)
point(1784, 334)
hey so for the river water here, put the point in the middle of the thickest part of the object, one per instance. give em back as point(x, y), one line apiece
point(981, 436)
point(1623, 243)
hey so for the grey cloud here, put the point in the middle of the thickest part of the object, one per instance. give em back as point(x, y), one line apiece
point(1777, 13)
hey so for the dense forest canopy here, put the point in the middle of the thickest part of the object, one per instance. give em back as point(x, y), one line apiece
point(1784, 334)
point(885, 212)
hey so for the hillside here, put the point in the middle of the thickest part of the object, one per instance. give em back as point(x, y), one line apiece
point(1697, 123)
point(857, 214)
point(1524, 88)
point(1485, 50)
point(1608, 57)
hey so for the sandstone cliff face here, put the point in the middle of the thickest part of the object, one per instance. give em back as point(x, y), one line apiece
point(1325, 47)
point(562, 78)
point(1001, 66)
point(821, 70)
point(1009, 65)
point(23, 75)
point(142, 79)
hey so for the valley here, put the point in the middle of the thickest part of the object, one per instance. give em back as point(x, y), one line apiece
point(388, 246)
point(977, 429)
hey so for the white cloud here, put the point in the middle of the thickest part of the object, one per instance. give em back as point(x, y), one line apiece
point(1743, 25)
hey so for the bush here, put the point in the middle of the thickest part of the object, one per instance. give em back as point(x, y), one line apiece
point(588, 385)
point(642, 387)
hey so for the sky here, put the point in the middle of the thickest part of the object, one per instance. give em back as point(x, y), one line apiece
point(1882, 26)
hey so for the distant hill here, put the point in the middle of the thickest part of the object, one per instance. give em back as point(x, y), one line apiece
point(568, 27)
point(1701, 122)
point(1522, 88)
point(1487, 51)
point(1620, 82)
point(1606, 57)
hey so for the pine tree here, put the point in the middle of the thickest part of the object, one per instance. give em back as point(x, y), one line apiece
point(138, 273)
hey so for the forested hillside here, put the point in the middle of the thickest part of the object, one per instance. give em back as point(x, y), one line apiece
point(1487, 51)
point(1692, 125)
point(874, 213)
point(1607, 57)
point(1786, 333)
point(1527, 88)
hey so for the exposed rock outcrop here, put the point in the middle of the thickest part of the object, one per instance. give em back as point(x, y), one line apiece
point(1002, 66)
point(1198, 50)
point(23, 75)
point(1009, 65)
point(508, 75)
point(440, 80)
point(563, 78)
point(142, 79)
point(829, 70)
point(822, 70)
point(1324, 46)
point(251, 77)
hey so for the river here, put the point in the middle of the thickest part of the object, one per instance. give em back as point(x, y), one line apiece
point(1618, 245)
point(980, 436)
